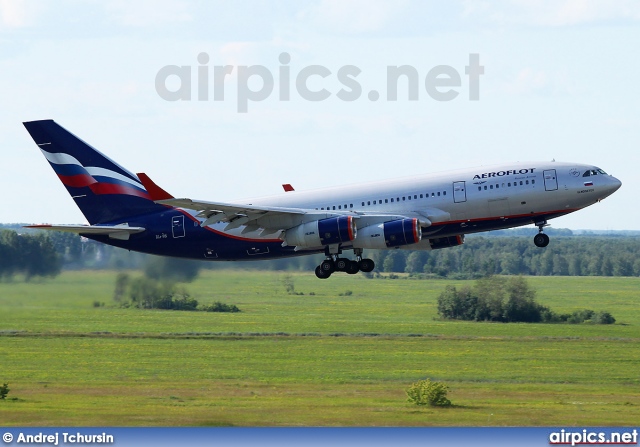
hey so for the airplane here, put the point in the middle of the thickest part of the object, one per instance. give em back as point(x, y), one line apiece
point(427, 212)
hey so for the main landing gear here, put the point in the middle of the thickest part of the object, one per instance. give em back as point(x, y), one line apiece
point(541, 239)
point(334, 263)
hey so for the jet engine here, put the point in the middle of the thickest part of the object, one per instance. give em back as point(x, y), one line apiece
point(333, 230)
point(446, 242)
point(389, 234)
point(437, 243)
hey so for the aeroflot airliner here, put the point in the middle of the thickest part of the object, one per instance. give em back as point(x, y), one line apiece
point(426, 212)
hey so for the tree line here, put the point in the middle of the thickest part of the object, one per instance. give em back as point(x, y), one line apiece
point(506, 252)
point(482, 256)
point(31, 255)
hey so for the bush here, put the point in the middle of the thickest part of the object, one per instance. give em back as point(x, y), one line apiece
point(426, 392)
point(603, 318)
point(498, 299)
point(220, 307)
point(4, 390)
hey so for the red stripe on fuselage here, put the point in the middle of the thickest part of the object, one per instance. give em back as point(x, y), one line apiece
point(221, 233)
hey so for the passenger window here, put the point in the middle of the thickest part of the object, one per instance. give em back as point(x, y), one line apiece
point(392, 200)
point(369, 203)
point(386, 200)
point(520, 182)
point(444, 193)
point(490, 186)
point(533, 182)
point(421, 196)
point(438, 193)
point(339, 207)
point(498, 186)
point(485, 187)
point(509, 184)
point(433, 194)
point(527, 182)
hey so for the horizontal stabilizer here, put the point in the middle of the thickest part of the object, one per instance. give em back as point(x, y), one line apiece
point(113, 231)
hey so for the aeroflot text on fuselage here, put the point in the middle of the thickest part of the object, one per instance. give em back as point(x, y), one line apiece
point(503, 173)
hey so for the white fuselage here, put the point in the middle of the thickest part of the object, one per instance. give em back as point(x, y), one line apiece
point(465, 201)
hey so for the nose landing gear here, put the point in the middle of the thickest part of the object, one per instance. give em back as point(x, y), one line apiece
point(541, 239)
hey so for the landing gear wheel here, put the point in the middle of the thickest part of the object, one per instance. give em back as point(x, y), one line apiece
point(541, 240)
point(328, 267)
point(321, 273)
point(366, 265)
point(342, 264)
point(352, 268)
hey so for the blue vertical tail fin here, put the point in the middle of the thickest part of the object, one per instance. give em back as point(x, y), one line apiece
point(104, 191)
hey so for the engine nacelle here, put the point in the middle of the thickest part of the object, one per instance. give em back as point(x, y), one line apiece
point(437, 243)
point(446, 242)
point(333, 230)
point(389, 234)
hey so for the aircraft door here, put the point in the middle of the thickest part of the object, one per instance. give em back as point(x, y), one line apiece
point(177, 226)
point(459, 192)
point(550, 180)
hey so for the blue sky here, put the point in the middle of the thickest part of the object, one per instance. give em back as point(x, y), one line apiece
point(560, 82)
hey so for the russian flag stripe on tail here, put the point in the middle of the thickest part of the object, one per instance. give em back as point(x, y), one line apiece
point(104, 191)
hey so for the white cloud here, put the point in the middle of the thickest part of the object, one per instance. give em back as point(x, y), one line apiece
point(144, 13)
point(530, 81)
point(17, 13)
point(355, 16)
point(552, 12)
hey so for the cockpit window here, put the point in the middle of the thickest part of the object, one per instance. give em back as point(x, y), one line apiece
point(590, 172)
point(601, 171)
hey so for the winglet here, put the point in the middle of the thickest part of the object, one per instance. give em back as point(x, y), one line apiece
point(154, 190)
point(287, 187)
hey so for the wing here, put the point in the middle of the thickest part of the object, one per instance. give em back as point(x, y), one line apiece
point(270, 219)
point(122, 231)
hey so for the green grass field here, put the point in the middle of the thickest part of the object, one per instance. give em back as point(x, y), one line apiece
point(320, 360)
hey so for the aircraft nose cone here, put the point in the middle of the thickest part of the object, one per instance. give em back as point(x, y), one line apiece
point(612, 185)
point(616, 184)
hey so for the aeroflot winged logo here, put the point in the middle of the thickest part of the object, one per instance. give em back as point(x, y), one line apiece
point(503, 173)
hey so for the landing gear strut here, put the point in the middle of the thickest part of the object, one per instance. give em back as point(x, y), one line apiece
point(334, 263)
point(541, 239)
